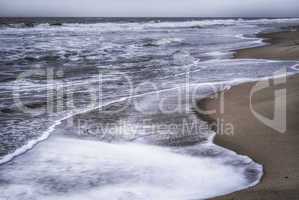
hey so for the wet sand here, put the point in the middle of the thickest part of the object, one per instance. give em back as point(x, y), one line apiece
point(278, 152)
point(280, 46)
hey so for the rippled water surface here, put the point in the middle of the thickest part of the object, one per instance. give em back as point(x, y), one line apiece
point(122, 95)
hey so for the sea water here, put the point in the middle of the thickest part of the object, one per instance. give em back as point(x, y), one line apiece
point(127, 141)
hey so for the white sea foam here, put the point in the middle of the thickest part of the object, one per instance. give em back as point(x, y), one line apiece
point(183, 24)
point(165, 41)
point(219, 54)
point(92, 170)
point(194, 23)
point(295, 67)
point(47, 133)
point(77, 159)
point(78, 169)
point(135, 26)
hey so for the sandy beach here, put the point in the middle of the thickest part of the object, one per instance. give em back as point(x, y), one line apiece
point(277, 152)
point(282, 45)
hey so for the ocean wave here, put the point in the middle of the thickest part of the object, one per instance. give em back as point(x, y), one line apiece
point(87, 168)
point(92, 170)
point(48, 132)
point(165, 41)
point(123, 53)
point(160, 42)
point(143, 26)
point(131, 170)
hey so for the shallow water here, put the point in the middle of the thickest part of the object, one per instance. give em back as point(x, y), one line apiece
point(127, 140)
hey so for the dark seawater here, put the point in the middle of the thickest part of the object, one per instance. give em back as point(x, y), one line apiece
point(107, 105)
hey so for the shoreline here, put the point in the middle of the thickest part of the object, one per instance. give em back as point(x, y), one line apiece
point(277, 152)
point(282, 45)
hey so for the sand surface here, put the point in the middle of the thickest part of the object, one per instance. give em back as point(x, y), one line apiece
point(277, 151)
point(280, 46)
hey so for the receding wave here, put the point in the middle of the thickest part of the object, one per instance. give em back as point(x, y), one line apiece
point(150, 72)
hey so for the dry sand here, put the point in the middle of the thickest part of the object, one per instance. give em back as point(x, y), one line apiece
point(277, 152)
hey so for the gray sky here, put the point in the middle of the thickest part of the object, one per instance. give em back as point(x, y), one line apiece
point(151, 8)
